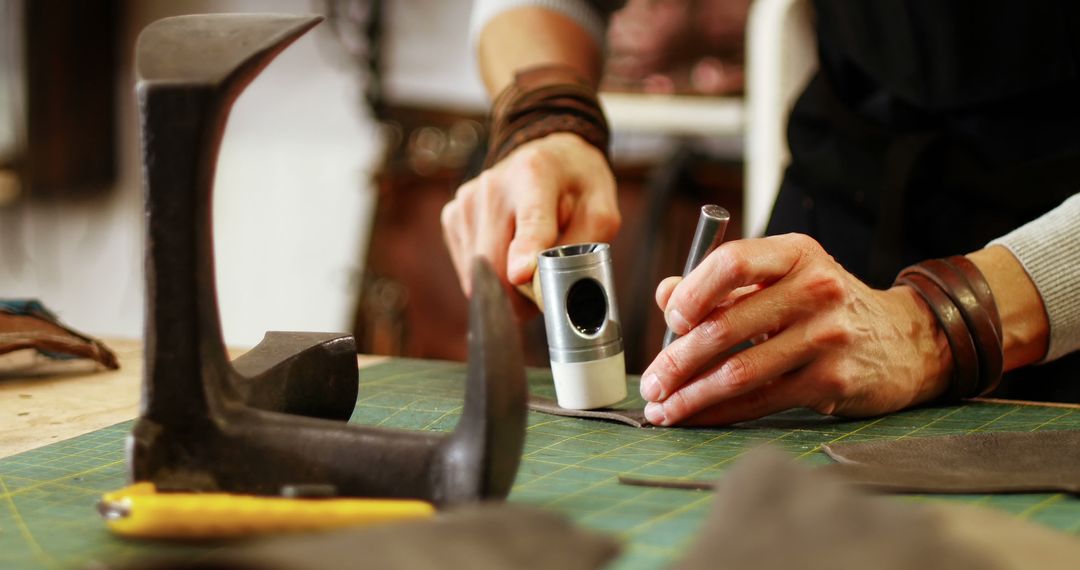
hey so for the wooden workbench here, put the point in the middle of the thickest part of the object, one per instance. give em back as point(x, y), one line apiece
point(36, 411)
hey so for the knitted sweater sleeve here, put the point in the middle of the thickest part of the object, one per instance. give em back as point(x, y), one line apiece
point(1049, 250)
point(592, 15)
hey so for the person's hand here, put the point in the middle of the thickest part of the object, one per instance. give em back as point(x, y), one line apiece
point(822, 339)
point(556, 189)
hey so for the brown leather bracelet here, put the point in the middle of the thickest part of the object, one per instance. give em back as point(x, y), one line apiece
point(543, 100)
point(994, 345)
point(979, 285)
point(977, 308)
point(964, 379)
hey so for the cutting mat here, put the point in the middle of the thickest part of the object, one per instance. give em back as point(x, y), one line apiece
point(47, 495)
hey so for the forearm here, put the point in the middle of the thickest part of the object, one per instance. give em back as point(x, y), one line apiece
point(1024, 324)
point(527, 36)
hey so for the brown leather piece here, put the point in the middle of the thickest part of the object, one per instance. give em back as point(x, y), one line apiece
point(965, 358)
point(20, 332)
point(634, 418)
point(998, 462)
point(684, 484)
point(491, 537)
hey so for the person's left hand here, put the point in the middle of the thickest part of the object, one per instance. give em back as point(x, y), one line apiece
point(831, 343)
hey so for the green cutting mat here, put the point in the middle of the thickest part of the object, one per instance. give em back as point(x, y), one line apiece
point(47, 496)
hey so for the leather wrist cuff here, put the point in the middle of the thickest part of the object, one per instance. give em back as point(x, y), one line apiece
point(964, 306)
point(543, 100)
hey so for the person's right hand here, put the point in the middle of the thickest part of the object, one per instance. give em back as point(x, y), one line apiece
point(554, 190)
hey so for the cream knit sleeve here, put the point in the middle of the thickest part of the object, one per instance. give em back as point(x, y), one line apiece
point(1049, 250)
point(586, 14)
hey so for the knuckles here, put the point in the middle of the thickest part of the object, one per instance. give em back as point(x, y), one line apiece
point(678, 406)
point(737, 373)
point(606, 223)
point(449, 216)
point(831, 332)
point(808, 246)
point(714, 330)
point(736, 266)
point(672, 366)
point(824, 284)
point(530, 161)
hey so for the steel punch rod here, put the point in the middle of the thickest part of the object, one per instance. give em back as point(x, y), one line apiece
point(711, 225)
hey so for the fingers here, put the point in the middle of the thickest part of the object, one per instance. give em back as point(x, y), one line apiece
point(455, 225)
point(535, 217)
point(664, 289)
point(739, 374)
point(743, 315)
point(732, 265)
point(567, 188)
point(595, 217)
point(556, 184)
point(781, 394)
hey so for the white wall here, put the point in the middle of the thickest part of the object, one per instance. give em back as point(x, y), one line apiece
point(292, 204)
point(428, 56)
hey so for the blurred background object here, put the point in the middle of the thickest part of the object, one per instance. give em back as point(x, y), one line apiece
point(338, 159)
point(677, 46)
point(293, 195)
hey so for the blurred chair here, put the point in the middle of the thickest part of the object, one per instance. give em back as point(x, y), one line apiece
point(781, 55)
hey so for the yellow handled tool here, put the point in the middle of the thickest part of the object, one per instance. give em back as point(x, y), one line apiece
point(140, 511)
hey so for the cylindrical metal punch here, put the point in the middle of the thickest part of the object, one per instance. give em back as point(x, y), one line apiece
point(711, 225)
point(582, 322)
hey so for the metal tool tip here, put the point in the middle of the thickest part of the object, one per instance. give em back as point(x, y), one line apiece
point(714, 211)
point(114, 510)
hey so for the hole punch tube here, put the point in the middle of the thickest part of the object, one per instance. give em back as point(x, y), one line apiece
point(582, 323)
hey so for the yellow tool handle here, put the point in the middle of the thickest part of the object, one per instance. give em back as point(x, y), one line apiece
point(140, 511)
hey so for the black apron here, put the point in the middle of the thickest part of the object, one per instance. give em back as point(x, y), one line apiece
point(932, 127)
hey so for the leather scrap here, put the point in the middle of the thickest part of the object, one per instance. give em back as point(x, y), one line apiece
point(993, 462)
point(27, 324)
point(771, 513)
point(634, 418)
point(486, 537)
point(661, 483)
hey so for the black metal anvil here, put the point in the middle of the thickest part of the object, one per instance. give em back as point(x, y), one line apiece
point(276, 416)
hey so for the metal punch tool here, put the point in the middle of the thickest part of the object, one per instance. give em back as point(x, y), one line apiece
point(712, 223)
point(276, 417)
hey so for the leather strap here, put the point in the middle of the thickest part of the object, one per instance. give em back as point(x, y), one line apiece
point(979, 286)
point(969, 294)
point(963, 381)
point(543, 100)
point(979, 312)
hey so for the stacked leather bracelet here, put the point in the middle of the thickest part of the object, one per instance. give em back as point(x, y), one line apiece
point(964, 306)
point(543, 100)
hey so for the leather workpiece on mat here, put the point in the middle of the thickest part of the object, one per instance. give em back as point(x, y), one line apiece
point(491, 537)
point(635, 418)
point(999, 462)
point(771, 513)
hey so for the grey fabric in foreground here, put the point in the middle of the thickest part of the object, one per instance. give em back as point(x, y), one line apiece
point(773, 514)
point(635, 418)
point(999, 462)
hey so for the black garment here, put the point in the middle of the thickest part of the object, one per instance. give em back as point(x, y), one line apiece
point(932, 127)
point(936, 126)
